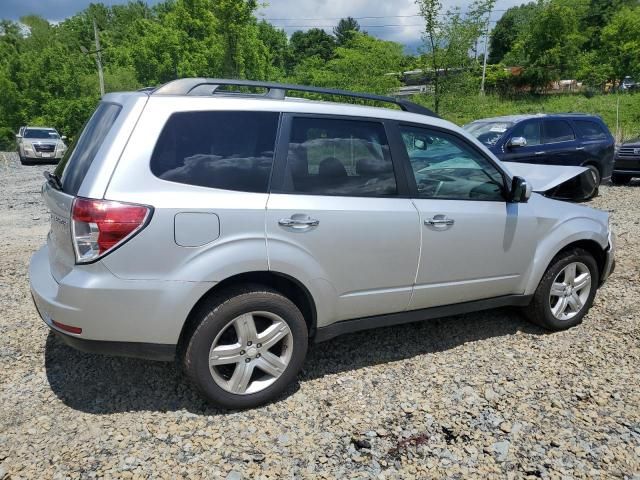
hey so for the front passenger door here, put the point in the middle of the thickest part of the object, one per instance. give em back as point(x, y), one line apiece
point(475, 245)
point(532, 152)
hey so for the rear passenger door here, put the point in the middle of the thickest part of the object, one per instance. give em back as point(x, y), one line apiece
point(560, 144)
point(339, 216)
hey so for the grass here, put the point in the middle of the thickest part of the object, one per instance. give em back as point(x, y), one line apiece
point(462, 109)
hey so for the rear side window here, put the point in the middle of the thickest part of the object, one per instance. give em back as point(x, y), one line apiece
point(557, 131)
point(339, 157)
point(590, 130)
point(78, 158)
point(226, 150)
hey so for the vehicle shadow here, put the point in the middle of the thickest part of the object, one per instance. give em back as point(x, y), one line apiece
point(99, 384)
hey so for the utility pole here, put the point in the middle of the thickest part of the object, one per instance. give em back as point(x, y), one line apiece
point(484, 63)
point(99, 58)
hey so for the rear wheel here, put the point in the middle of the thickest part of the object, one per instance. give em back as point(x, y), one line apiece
point(566, 292)
point(248, 346)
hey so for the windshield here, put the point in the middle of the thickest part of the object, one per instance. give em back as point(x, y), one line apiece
point(41, 133)
point(488, 132)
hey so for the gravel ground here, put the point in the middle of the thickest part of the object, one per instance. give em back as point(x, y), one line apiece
point(482, 395)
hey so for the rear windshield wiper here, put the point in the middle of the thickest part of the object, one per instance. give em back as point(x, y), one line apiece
point(53, 180)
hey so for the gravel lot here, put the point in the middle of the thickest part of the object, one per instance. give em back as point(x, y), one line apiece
point(483, 395)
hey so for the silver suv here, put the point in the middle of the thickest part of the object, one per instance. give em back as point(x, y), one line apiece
point(227, 229)
point(40, 144)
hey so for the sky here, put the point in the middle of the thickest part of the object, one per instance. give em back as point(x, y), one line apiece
point(397, 20)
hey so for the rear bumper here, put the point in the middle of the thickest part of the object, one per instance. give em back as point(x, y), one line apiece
point(137, 318)
point(146, 351)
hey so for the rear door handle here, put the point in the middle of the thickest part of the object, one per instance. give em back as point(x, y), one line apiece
point(298, 223)
point(579, 148)
point(539, 153)
point(439, 220)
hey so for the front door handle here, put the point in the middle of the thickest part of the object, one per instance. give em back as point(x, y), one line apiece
point(539, 153)
point(439, 221)
point(579, 148)
point(300, 223)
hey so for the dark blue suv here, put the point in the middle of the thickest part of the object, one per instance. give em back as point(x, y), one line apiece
point(554, 139)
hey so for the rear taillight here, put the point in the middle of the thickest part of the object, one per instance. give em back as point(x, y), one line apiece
point(99, 226)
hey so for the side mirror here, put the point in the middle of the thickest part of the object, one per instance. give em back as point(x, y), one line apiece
point(63, 137)
point(516, 142)
point(18, 136)
point(520, 190)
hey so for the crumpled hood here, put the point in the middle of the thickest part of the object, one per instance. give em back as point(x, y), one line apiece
point(556, 181)
point(544, 177)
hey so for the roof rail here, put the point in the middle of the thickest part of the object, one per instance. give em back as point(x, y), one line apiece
point(209, 86)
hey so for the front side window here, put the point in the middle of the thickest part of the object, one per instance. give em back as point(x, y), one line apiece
point(445, 167)
point(221, 149)
point(557, 131)
point(529, 130)
point(339, 157)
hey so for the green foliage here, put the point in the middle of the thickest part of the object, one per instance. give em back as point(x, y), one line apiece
point(448, 38)
point(345, 30)
point(621, 41)
point(363, 66)
point(314, 42)
point(45, 78)
point(549, 48)
point(503, 36)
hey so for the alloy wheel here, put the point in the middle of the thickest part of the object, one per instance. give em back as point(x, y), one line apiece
point(570, 291)
point(251, 352)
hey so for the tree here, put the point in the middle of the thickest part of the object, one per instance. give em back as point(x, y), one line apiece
point(310, 43)
point(345, 30)
point(277, 48)
point(244, 54)
point(549, 48)
point(363, 66)
point(621, 41)
point(503, 36)
point(448, 38)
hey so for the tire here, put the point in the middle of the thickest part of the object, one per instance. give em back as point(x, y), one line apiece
point(596, 178)
point(540, 311)
point(621, 179)
point(239, 381)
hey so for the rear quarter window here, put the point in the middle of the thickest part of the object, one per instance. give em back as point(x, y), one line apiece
point(76, 162)
point(221, 149)
point(591, 130)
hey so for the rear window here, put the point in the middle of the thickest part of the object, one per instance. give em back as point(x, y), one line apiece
point(76, 162)
point(590, 130)
point(226, 150)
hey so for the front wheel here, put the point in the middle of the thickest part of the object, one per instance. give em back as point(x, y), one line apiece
point(566, 292)
point(247, 347)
